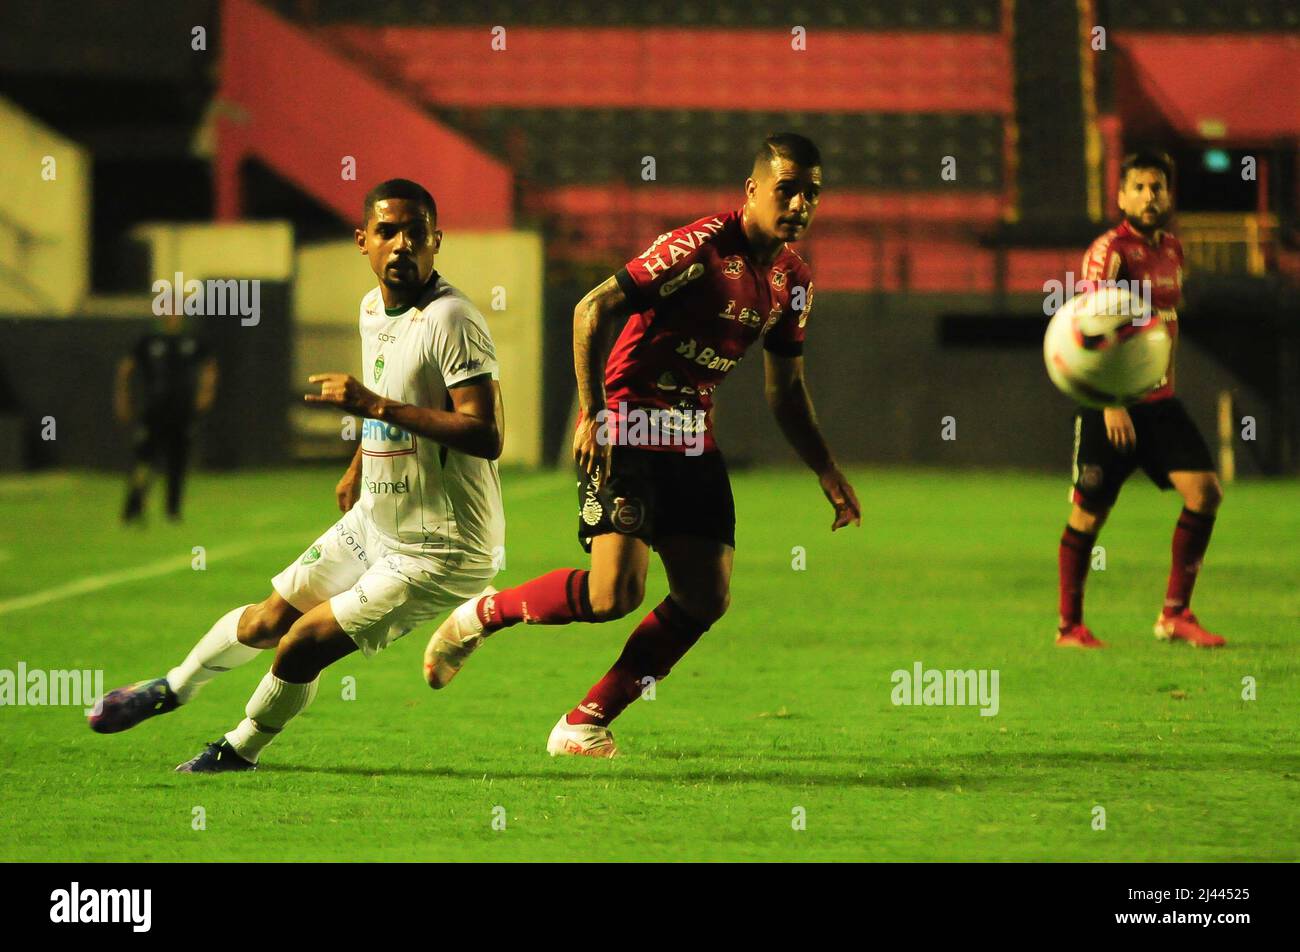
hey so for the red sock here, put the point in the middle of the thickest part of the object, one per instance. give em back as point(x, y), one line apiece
point(1191, 538)
point(555, 598)
point(1072, 563)
point(658, 643)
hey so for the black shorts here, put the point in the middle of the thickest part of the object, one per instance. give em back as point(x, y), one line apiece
point(652, 495)
point(153, 442)
point(1167, 441)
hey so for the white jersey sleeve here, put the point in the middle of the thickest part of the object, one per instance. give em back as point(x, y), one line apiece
point(421, 496)
point(460, 344)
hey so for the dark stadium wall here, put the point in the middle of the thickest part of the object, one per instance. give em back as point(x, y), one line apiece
point(65, 367)
point(885, 370)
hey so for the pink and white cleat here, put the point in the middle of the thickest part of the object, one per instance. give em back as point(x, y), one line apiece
point(581, 740)
point(454, 641)
point(1077, 636)
point(1183, 626)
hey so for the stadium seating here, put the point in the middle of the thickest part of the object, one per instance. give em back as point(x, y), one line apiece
point(1208, 16)
point(839, 14)
point(886, 88)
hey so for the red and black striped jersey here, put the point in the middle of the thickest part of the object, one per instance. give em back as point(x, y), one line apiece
point(700, 301)
point(1125, 254)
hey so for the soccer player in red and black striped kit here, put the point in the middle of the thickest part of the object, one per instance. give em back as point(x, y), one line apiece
point(695, 301)
point(1156, 434)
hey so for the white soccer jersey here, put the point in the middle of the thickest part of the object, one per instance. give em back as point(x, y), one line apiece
point(418, 494)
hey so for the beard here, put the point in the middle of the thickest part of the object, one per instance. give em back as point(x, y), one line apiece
point(404, 279)
point(1145, 227)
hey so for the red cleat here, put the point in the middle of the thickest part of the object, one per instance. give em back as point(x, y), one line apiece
point(1077, 636)
point(1183, 626)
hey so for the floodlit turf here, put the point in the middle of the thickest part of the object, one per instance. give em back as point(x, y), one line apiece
point(784, 705)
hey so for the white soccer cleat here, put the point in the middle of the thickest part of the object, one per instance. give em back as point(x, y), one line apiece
point(581, 740)
point(454, 641)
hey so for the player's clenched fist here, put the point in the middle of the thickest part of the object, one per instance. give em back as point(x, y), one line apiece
point(345, 392)
point(589, 451)
point(842, 497)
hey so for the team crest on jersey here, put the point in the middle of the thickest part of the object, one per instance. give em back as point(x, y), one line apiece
point(778, 279)
point(379, 367)
point(1138, 254)
point(311, 555)
point(733, 267)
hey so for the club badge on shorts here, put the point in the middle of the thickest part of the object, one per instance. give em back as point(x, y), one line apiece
point(628, 514)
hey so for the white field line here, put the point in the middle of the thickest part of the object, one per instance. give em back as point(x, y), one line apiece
point(177, 563)
point(96, 583)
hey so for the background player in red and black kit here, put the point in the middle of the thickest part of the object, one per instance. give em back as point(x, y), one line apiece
point(695, 301)
point(1156, 434)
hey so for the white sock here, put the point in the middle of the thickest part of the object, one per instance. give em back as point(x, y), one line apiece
point(217, 651)
point(274, 704)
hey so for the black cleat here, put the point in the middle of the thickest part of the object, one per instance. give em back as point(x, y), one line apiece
point(219, 757)
point(123, 708)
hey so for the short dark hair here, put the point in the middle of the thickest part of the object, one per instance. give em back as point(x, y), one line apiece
point(790, 146)
point(1148, 159)
point(399, 188)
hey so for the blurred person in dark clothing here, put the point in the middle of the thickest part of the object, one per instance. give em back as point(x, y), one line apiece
point(175, 380)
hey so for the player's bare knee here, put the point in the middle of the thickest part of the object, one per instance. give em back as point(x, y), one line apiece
point(624, 596)
point(1088, 520)
point(297, 658)
point(705, 607)
point(264, 624)
point(1206, 496)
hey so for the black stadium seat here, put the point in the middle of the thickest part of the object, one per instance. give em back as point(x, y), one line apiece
point(974, 15)
point(553, 147)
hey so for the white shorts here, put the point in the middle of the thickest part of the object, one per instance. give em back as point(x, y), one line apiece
point(377, 592)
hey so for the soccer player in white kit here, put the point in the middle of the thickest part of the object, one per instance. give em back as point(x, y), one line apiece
point(423, 527)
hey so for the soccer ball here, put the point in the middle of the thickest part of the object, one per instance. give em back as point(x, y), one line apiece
point(1104, 348)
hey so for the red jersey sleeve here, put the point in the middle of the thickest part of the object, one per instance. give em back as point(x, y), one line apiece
point(1101, 262)
point(786, 336)
point(663, 269)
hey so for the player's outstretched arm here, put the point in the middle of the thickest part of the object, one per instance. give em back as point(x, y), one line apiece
point(791, 404)
point(475, 425)
point(594, 321)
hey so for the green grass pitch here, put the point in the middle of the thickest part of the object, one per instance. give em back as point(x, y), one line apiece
point(785, 704)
